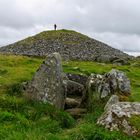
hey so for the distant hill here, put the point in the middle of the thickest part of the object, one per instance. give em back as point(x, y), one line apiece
point(70, 44)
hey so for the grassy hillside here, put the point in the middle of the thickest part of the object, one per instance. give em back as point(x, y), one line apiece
point(49, 35)
point(21, 119)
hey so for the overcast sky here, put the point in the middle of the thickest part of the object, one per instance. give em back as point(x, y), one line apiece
point(115, 22)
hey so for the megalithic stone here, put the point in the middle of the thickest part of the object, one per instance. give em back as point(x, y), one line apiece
point(48, 84)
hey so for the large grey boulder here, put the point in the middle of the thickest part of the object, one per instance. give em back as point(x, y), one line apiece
point(48, 83)
point(113, 82)
point(117, 115)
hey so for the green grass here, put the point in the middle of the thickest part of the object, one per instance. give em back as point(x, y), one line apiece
point(58, 34)
point(22, 119)
point(135, 121)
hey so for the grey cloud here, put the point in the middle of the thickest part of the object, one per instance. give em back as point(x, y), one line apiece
point(125, 42)
point(12, 15)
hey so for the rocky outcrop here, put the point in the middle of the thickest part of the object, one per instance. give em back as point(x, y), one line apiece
point(69, 91)
point(70, 44)
point(117, 114)
point(48, 84)
point(113, 82)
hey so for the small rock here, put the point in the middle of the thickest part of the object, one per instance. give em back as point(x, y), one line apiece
point(71, 103)
point(76, 112)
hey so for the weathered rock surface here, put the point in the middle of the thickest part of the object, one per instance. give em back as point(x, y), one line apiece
point(74, 88)
point(114, 82)
point(116, 116)
point(79, 78)
point(48, 84)
point(70, 44)
point(113, 100)
point(118, 82)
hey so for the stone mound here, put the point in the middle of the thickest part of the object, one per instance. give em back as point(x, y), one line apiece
point(70, 44)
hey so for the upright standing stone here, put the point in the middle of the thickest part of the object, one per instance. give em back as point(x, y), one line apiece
point(47, 84)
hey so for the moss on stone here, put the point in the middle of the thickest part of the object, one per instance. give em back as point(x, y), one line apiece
point(135, 121)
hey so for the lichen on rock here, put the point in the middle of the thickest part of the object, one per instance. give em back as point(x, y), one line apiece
point(113, 82)
point(116, 116)
point(48, 83)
